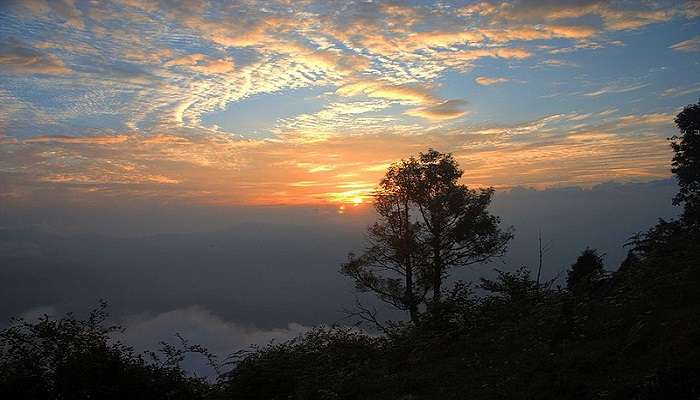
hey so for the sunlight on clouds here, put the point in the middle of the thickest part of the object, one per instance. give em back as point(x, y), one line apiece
point(556, 150)
point(690, 45)
point(446, 110)
point(486, 81)
point(107, 99)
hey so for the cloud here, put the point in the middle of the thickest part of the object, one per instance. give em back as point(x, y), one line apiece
point(379, 89)
point(486, 81)
point(200, 326)
point(540, 32)
point(615, 16)
point(20, 60)
point(91, 140)
point(553, 62)
point(64, 9)
point(448, 109)
point(440, 39)
point(200, 63)
point(514, 53)
point(353, 79)
point(141, 5)
point(432, 107)
point(553, 150)
point(328, 59)
point(616, 89)
point(681, 90)
point(688, 46)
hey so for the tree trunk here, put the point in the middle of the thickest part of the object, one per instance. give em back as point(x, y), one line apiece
point(437, 271)
point(409, 297)
point(437, 287)
point(413, 312)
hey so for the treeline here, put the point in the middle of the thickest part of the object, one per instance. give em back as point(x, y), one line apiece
point(629, 334)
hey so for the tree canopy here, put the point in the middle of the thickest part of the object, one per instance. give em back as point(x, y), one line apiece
point(428, 224)
point(686, 162)
point(586, 271)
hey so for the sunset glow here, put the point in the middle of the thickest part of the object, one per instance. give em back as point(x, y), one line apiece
point(308, 103)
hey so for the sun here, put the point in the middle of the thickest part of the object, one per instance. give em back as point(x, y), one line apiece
point(357, 200)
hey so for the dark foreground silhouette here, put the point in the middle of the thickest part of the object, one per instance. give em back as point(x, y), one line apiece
point(631, 334)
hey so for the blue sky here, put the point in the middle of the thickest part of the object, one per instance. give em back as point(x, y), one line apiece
point(307, 102)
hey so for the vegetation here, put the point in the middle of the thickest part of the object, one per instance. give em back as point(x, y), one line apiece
point(586, 272)
point(70, 358)
point(630, 334)
point(428, 224)
point(686, 163)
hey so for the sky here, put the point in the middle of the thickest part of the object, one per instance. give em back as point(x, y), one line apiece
point(307, 103)
point(206, 166)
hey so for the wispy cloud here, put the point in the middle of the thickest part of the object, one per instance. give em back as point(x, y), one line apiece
point(446, 110)
point(15, 58)
point(688, 46)
point(681, 90)
point(115, 98)
point(487, 81)
point(556, 149)
point(616, 89)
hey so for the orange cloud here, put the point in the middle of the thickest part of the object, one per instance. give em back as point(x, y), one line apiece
point(201, 63)
point(345, 168)
point(26, 61)
point(91, 140)
point(486, 81)
point(449, 109)
point(614, 16)
point(379, 89)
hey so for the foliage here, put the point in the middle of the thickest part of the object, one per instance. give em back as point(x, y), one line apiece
point(686, 162)
point(390, 266)
point(70, 358)
point(428, 224)
point(326, 363)
point(586, 272)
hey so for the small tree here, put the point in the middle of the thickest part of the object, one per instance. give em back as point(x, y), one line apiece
point(686, 162)
point(428, 224)
point(586, 271)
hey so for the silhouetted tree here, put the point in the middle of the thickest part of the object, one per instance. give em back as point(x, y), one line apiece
point(686, 162)
point(391, 264)
point(631, 261)
point(428, 224)
point(586, 271)
point(458, 229)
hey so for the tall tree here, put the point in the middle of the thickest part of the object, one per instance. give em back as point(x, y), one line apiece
point(686, 162)
point(391, 264)
point(428, 224)
point(459, 230)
